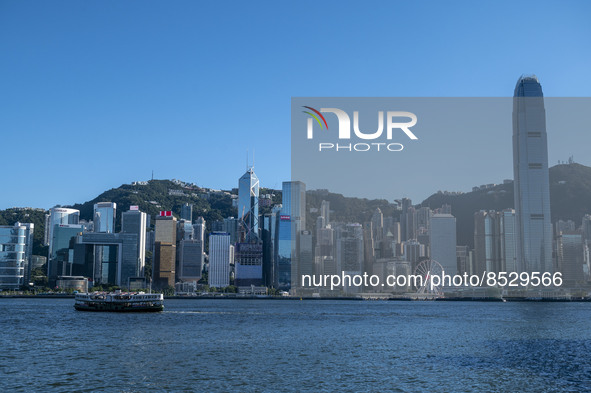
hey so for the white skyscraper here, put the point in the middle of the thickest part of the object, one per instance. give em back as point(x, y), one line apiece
point(219, 259)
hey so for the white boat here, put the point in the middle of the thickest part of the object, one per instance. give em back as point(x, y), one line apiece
point(119, 301)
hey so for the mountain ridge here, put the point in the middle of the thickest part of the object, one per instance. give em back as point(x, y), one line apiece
point(570, 191)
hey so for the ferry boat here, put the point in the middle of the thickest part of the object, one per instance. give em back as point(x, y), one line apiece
point(119, 301)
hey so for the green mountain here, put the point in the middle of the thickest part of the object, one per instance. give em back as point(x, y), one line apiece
point(157, 195)
point(570, 199)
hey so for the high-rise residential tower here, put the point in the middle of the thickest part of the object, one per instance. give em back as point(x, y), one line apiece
point(530, 168)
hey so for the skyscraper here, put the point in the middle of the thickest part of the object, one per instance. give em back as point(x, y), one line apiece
point(135, 221)
point(248, 251)
point(293, 199)
point(405, 204)
point(248, 204)
point(199, 229)
point(324, 252)
point(325, 212)
point(442, 240)
point(104, 217)
point(187, 212)
point(58, 216)
point(487, 242)
point(219, 259)
point(61, 251)
point(190, 260)
point(570, 256)
point(248, 263)
point(530, 168)
point(29, 231)
point(164, 250)
point(509, 240)
point(13, 242)
point(292, 221)
point(349, 251)
point(268, 236)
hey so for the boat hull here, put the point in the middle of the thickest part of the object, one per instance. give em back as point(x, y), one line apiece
point(117, 308)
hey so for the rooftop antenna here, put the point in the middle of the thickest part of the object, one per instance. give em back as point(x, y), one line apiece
point(246, 159)
point(253, 159)
point(152, 174)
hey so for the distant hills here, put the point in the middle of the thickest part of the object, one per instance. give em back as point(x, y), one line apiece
point(570, 198)
point(156, 195)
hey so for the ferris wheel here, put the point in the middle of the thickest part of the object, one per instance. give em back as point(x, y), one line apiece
point(427, 269)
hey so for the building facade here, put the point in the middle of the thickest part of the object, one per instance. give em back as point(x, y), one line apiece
point(220, 253)
point(531, 185)
point(13, 243)
point(135, 221)
point(442, 241)
point(104, 217)
point(248, 205)
point(164, 269)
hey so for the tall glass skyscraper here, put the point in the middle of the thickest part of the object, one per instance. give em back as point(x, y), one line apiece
point(248, 204)
point(104, 217)
point(135, 221)
point(530, 168)
point(292, 220)
point(57, 217)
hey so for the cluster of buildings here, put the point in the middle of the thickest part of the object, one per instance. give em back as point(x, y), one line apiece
point(255, 251)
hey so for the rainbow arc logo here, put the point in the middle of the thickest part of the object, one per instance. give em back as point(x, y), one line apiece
point(316, 117)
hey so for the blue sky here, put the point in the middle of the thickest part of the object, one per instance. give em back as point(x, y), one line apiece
point(94, 94)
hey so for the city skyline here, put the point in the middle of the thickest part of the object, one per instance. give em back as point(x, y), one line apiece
point(408, 217)
point(146, 94)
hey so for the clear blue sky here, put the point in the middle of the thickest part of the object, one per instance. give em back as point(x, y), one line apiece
point(94, 94)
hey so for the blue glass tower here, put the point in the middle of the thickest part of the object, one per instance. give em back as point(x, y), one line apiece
point(530, 168)
point(292, 220)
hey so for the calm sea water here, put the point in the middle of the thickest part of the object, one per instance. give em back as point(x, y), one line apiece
point(318, 346)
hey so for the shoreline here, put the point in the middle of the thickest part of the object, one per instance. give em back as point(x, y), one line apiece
point(340, 298)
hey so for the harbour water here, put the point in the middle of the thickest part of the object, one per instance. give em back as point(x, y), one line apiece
point(291, 345)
